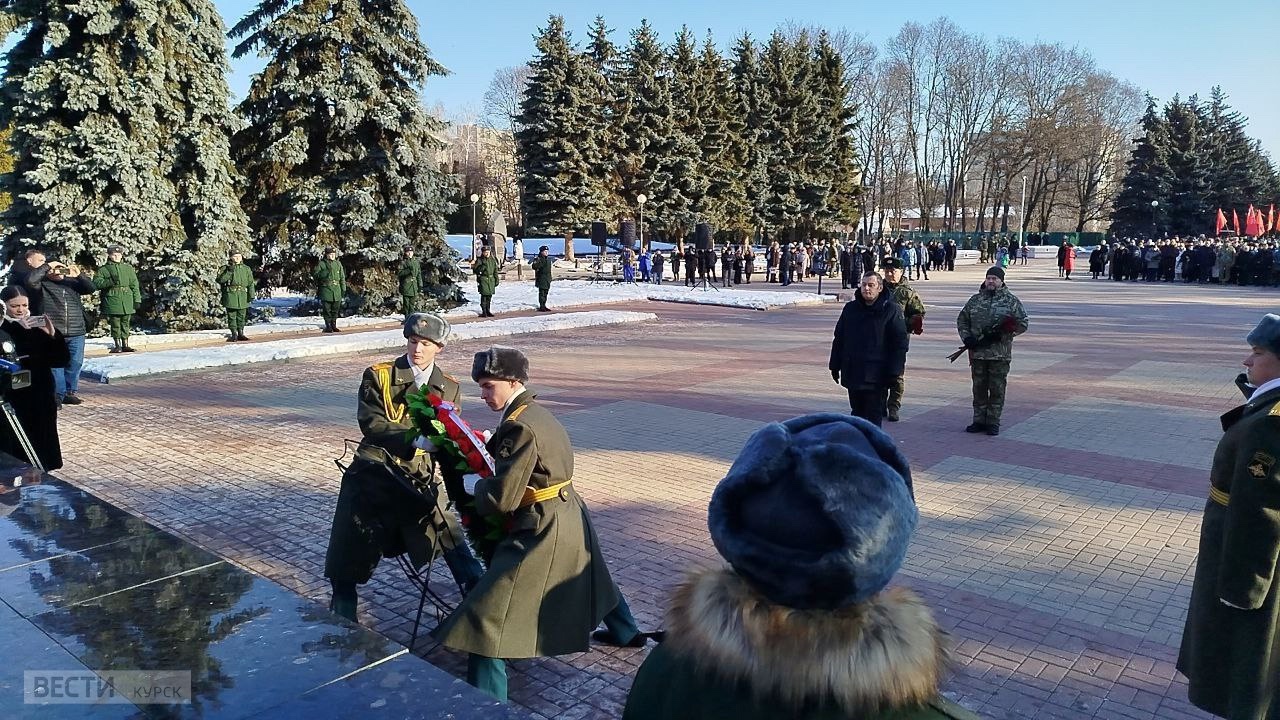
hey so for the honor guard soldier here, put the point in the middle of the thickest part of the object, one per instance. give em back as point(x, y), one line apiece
point(238, 291)
point(895, 282)
point(542, 277)
point(410, 277)
point(391, 501)
point(121, 296)
point(331, 288)
point(485, 269)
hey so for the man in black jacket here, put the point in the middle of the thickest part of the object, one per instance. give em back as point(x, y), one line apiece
point(869, 349)
point(59, 288)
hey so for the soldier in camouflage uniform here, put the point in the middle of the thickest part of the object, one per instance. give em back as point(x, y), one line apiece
point(895, 283)
point(987, 325)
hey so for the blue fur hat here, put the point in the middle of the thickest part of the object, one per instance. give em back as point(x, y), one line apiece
point(816, 512)
point(1267, 334)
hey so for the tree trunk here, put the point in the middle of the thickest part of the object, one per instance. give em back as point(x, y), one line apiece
point(568, 246)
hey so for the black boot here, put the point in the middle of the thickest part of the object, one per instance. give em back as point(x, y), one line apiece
point(124, 346)
point(115, 346)
point(240, 335)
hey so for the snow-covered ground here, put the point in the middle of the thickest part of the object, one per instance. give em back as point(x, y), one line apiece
point(116, 367)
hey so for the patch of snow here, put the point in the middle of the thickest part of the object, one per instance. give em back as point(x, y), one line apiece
point(116, 367)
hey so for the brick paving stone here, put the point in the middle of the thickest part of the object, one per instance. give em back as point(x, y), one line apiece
point(1057, 555)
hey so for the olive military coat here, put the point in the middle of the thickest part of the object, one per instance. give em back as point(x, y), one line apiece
point(1231, 655)
point(237, 287)
point(121, 294)
point(547, 586)
point(486, 272)
point(410, 277)
point(541, 272)
point(331, 280)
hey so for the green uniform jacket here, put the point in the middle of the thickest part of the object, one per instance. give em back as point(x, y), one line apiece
point(121, 295)
point(486, 272)
point(237, 287)
point(1232, 656)
point(541, 272)
point(331, 281)
point(410, 276)
point(547, 587)
point(983, 313)
point(385, 430)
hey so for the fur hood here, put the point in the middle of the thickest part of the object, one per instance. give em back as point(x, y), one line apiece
point(885, 653)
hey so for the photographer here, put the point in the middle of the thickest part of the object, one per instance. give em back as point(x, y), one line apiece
point(59, 288)
point(39, 348)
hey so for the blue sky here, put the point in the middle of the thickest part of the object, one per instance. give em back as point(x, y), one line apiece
point(1166, 47)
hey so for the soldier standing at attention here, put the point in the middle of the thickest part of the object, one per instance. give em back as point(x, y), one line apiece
point(121, 296)
point(542, 277)
point(410, 277)
point(331, 282)
point(895, 283)
point(485, 269)
point(987, 324)
point(238, 291)
point(1231, 644)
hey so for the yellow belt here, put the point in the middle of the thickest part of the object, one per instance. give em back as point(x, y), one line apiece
point(1219, 496)
point(532, 496)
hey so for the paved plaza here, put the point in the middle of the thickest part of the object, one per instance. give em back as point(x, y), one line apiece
point(1059, 555)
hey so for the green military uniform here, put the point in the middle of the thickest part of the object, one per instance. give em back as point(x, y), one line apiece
point(989, 366)
point(547, 585)
point(331, 288)
point(237, 292)
point(542, 278)
point(1226, 260)
point(982, 251)
point(376, 515)
point(410, 277)
point(121, 297)
point(1231, 655)
point(912, 307)
point(485, 269)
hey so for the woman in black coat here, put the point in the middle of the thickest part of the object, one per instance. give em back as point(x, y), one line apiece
point(39, 348)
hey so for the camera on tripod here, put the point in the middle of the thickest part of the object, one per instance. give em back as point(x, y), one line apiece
point(12, 376)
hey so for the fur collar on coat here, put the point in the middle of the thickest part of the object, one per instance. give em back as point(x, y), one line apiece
point(885, 653)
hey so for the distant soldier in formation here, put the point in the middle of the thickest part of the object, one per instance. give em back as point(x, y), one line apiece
point(485, 268)
point(238, 291)
point(410, 277)
point(121, 296)
point(331, 288)
point(542, 277)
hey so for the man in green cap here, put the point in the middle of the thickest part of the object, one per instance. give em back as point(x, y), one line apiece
point(410, 277)
point(331, 282)
point(485, 269)
point(238, 291)
point(542, 277)
point(121, 296)
point(895, 283)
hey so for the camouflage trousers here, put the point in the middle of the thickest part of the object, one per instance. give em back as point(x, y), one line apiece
point(989, 380)
point(896, 388)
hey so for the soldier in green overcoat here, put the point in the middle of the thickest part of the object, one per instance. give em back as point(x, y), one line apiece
point(895, 282)
point(547, 584)
point(410, 277)
point(238, 291)
point(542, 277)
point(1231, 643)
point(331, 288)
point(485, 269)
point(121, 296)
point(987, 324)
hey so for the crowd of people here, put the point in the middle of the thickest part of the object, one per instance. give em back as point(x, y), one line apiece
point(1223, 261)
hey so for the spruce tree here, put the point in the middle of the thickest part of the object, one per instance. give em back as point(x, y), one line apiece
point(338, 150)
point(1148, 178)
point(645, 124)
point(833, 95)
point(755, 106)
point(687, 201)
point(601, 80)
point(1188, 209)
point(785, 76)
point(724, 147)
point(557, 157)
point(120, 132)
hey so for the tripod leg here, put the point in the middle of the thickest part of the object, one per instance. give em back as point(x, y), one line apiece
point(23, 441)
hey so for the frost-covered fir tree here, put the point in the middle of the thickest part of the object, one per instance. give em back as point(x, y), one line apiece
point(832, 89)
point(600, 111)
point(690, 103)
point(646, 125)
point(337, 150)
point(120, 136)
point(724, 147)
point(755, 106)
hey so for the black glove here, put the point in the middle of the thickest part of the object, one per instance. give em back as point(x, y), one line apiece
point(835, 375)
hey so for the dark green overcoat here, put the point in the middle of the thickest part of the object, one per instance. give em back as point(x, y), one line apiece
point(237, 287)
point(486, 272)
point(331, 281)
point(547, 587)
point(541, 272)
point(1231, 655)
point(410, 277)
point(121, 294)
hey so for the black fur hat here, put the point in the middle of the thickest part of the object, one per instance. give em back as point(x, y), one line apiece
point(502, 363)
point(816, 512)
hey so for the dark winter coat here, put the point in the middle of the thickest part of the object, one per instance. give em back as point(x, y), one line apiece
point(118, 282)
point(237, 286)
point(59, 300)
point(731, 654)
point(541, 272)
point(870, 344)
point(486, 271)
point(19, 274)
point(547, 586)
point(331, 280)
point(1231, 655)
point(1097, 260)
point(35, 405)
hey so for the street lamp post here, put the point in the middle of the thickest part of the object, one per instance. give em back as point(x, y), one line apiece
point(641, 198)
point(1155, 205)
point(1022, 211)
point(475, 239)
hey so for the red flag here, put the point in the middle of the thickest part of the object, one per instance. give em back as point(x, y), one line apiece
point(1235, 222)
point(1253, 223)
point(1221, 222)
point(1271, 217)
